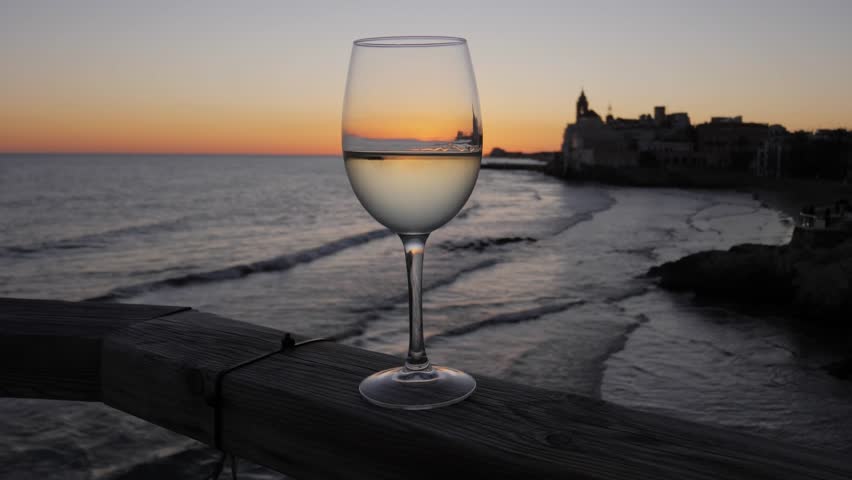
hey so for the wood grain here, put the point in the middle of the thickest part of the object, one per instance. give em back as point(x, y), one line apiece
point(52, 349)
point(300, 412)
point(163, 370)
point(504, 430)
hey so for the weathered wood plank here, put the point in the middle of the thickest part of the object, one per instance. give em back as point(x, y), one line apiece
point(300, 412)
point(163, 370)
point(52, 349)
point(504, 430)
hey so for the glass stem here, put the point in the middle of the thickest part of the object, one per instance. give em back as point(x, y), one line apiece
point(415, 245)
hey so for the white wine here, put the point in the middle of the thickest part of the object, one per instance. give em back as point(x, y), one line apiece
point(412, 193)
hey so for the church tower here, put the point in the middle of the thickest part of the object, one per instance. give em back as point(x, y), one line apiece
point(582, 105)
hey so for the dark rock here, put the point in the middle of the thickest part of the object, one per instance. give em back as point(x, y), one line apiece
point(745, 272)
point(816, 283)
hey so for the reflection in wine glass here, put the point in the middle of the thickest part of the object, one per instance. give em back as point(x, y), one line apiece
point(412, 144)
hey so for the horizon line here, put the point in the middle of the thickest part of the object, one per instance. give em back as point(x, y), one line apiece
point(253, 154)
point(185, 154)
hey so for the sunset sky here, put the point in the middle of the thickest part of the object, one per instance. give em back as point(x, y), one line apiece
point(268, 77)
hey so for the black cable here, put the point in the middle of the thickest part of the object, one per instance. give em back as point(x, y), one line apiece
point(215, 400)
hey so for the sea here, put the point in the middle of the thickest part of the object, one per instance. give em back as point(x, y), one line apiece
point(537, 281)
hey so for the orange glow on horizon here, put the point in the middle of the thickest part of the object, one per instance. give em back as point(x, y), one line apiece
point(125, 126)
point(190, 129)
point(200, 130)
point(270, 77)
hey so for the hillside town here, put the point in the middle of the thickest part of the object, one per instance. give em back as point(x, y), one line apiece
point(669, 141)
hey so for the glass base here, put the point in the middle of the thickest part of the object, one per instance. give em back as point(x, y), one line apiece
point(407, 389)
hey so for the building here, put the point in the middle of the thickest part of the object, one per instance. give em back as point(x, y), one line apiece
point(730, 143)
point(624, 142)
point(674, 154)
point(773, 155)
point(679, 120)
point(669, 141)
point(591, 142)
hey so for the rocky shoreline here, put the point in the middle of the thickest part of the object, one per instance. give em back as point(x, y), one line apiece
point(810, 279)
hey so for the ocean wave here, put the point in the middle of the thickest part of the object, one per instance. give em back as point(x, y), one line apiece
point(699, 216)
point(508, 318)
point(392, 302)
point(629, 293)
point(277, 264)
point(621, 341)
point(358, 328)
point(95, 240)
point(648, 253)
point(481, 244)
point(59, 245)
point(606, 203)
point(615, 345)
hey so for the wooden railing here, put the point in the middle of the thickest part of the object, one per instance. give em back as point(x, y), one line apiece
point(300, 412)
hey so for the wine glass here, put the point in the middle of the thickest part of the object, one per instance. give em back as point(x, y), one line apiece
point(412, 144)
